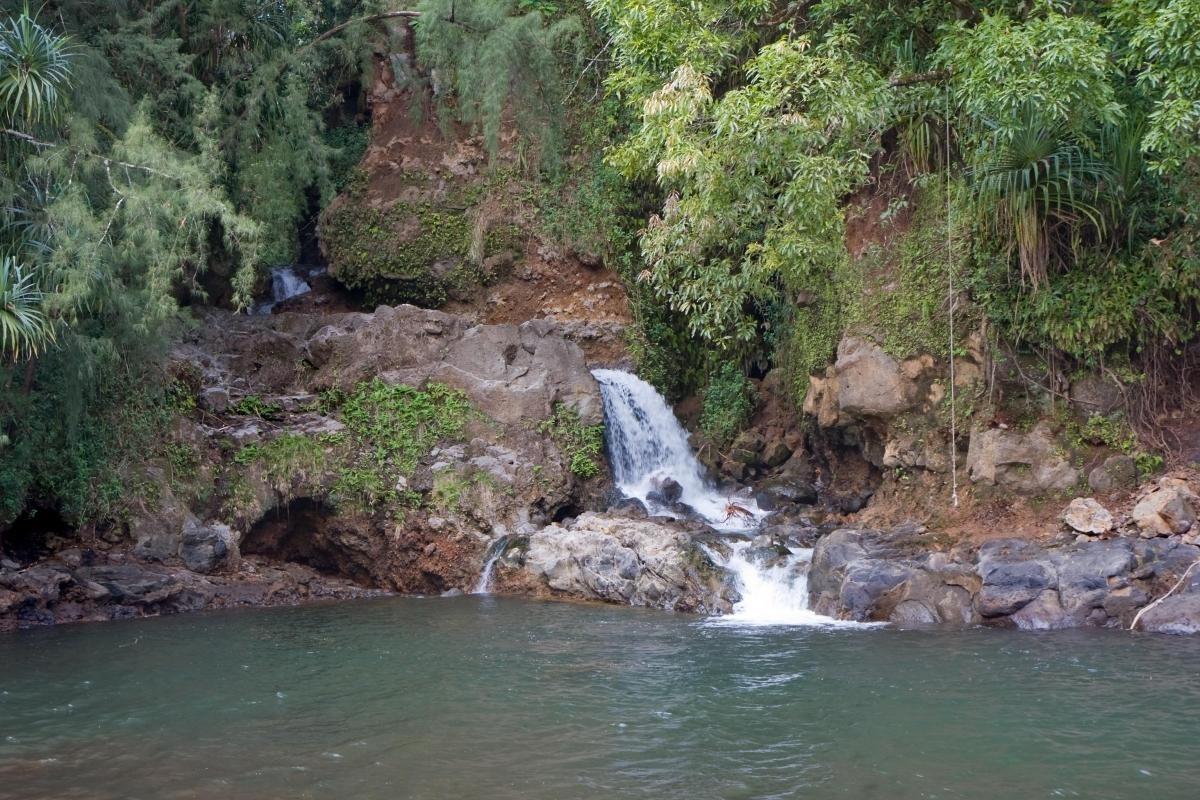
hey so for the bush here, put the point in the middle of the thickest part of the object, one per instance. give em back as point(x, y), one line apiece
point(728, 401)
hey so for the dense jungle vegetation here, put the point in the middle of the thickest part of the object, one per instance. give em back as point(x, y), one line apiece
point(161, 154)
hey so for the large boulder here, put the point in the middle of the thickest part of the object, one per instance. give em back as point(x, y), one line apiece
point(886, 576)
point(1028, 463)
point(1169, 509)
point(1117, 472)
point(627, 561)
point(1086, 515)
point(205, 548)
point(1014, 573)
point(870, 383)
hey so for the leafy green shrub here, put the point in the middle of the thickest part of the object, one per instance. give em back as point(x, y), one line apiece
point(396, 424)
point(254, 406)
point(728, 401)
point(581, 445)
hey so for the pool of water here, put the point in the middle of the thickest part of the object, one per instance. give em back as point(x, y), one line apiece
point(480, 697)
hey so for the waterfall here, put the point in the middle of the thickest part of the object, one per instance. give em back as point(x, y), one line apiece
point(647, 446)
point(286, 283)
point(484, 584)
point(774, 589)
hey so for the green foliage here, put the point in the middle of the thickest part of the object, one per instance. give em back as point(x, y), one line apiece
point(502, 57)
point(1163, 54)
point(1038, 192)
point(1114, 433)
point(75, 440)
point(728, 401)
point(254, 406)
point(285, 458)
point(754, 180)
point(347, 143)
point(35, 71)
point(24, 329)
point(1056, 62)
point(582, 445)
point(391, 427)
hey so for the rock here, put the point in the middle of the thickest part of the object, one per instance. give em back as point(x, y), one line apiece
point(215, 399)
point(869, 381)
point(865, 575)
point(629, 507)
point(765, 501)
point(1095, 394)
point(1085, 515)
point(1170, 509)
point(1024, 462)
point(130, 583)
point(784, 491)
point(776, 454)
point(671, 491)
point(158, 532)
point(1117, 472)
point(1013, 573)
point(632, 562)
point(1043, 613)
point(206, 547)
point(1179, 614)
point(747, 448)
point(40, 582)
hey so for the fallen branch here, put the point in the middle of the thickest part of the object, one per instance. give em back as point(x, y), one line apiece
point(1178, 583)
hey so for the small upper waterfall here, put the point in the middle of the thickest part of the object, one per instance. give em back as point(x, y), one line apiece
point(647, 446)
point(484, 584)
point(286, 283)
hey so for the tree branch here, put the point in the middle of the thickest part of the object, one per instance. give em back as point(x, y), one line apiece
point(336, 29)
point(932, 76)
point(25, 137)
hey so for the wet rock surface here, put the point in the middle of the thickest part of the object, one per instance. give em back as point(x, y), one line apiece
point(659, 564)
point(891, 576)
point(116, 587)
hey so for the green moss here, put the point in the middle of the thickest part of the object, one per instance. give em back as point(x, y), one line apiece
point(391, 254)
point(581, 445)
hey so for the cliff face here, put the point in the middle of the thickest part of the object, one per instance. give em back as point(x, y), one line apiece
point(332, 455)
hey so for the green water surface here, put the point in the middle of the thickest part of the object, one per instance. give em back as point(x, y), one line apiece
point(496, 698)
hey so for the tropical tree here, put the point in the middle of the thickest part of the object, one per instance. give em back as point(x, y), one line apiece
point(35, 70)
point(24, 329)
point(1038, 192)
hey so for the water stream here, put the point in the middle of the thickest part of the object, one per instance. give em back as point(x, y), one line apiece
point(286, 283)
point(484, 584)
point(647, 445)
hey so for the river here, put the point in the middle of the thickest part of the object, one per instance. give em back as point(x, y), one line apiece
point(484, 697)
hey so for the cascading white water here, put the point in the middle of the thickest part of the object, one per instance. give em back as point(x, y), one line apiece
point(647, 446)
point(484, 584)
point(286, 283)
point(772, 594)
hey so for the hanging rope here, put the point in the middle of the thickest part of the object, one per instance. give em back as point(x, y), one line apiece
point(950, 278)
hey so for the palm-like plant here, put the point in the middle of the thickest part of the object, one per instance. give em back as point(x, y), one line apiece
point(1039, 190)
point(24, 328)
point(34, 70)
